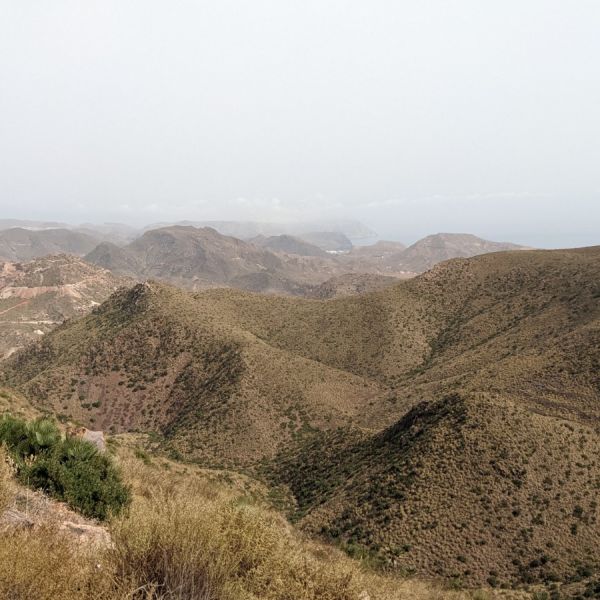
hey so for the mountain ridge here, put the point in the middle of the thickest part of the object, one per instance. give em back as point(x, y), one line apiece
point(417, 424)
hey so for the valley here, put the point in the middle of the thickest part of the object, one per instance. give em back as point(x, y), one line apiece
point(458, 409)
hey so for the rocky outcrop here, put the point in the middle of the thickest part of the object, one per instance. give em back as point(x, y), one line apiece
point(93, 437)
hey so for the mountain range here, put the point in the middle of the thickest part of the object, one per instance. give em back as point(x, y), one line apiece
point(198, 258)
point(445, 425)
point(245, 230)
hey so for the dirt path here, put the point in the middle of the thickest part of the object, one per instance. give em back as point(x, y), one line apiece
point(15, 306)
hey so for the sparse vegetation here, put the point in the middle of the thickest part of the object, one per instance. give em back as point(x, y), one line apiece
point(492, 480)
point(191, 539)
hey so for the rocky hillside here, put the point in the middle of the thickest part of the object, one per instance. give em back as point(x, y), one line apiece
point(201, 258)
point(154, 358)
point(197, 259)
point(37, 295)
point(445, 425)
point(433, 249)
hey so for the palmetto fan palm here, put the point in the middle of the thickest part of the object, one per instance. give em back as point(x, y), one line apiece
point(44, 433)
point(79, 450)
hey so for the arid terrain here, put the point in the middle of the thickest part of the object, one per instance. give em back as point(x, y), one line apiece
point(36, 296)
point(201, 258)
point(204, 257)
point(445, 426)
point(300, 300)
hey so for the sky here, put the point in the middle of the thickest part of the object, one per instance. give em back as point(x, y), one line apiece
point(413, 117)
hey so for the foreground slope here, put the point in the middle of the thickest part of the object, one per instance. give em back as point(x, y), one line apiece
point(471, 487)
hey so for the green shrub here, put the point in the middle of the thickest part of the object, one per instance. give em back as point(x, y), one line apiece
point(69, 469)
point(14, 433)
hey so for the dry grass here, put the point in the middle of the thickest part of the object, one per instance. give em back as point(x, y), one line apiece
point(182, 547)
point(195, 541)
point(474, 490)
point(5, 482)
point(43, 564)
point(188, 536)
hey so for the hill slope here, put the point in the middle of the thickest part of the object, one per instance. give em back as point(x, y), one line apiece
point(203, 258)
point(154, 358)
point(474, 488)
point(115, 258)
point(246, 230)
point(19, 244)
point(36, 296)
point(433, 249)
point(289, 245)
point(328, 398)
point(351, 284)
point(394, 259)
point(332, 241)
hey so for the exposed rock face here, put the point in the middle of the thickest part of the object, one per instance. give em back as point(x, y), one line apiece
point(93, 437)
point(96, 438)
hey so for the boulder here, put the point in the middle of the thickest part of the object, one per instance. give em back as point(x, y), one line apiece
point(94, 437)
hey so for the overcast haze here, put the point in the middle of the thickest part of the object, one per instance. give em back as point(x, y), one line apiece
point(414, 117)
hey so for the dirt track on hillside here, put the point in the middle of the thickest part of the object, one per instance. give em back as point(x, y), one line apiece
point(13, 307)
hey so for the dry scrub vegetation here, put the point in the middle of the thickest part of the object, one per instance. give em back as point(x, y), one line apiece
point(186, 538)
point(497, 487)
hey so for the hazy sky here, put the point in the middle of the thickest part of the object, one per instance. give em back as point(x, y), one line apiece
point(414, 117)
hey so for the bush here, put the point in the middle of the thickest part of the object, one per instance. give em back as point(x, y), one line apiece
point(184, 547)
point(71, 470)
point(14, 433)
